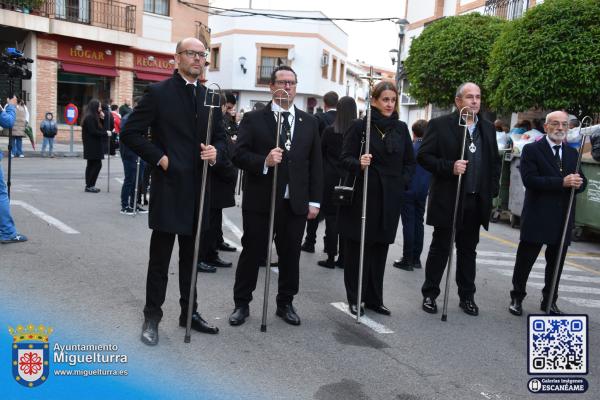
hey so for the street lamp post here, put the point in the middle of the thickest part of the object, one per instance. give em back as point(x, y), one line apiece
point(396, 56)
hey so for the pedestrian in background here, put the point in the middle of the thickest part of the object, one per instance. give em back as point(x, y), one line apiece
point(413, 208)
point(21, 121)
point(333, 173)
point(93, 135)
point(8, 232)
point(49, 130)
point(130, 160)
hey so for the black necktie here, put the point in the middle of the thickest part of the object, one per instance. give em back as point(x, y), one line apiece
point(557, 156)
point(191, 88)
point(286, 128)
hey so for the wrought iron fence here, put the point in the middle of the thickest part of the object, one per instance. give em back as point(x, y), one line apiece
point(508, 9)
point(263, 72)
point(108, 14)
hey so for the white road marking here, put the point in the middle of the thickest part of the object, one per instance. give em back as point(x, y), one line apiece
point(568, 288)
point(563, 277)
point(591, 303)
point(232, 227)
point(48, 218)
point(120, 180)
point(366, 321)
point(513, 255)
point(537, 265)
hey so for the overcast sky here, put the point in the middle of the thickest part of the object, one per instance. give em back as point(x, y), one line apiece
point(367, 41)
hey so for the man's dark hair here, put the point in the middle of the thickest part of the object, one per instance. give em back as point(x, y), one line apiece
point(330, 99)
point(419, 127)
point(282, 68)
point(230, 98)
point(113, 107)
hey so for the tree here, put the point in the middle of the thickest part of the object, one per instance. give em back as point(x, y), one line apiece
point(549, 59)
point(449, 52)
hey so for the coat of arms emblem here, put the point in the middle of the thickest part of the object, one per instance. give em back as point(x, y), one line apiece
point(30, 354)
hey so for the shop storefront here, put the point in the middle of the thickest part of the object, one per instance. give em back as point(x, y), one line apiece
point(149, 68)
point(86, 70)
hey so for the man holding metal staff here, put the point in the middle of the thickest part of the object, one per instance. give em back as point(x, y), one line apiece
point(175, 112)
point(480, 167)
point(549, 172)
point(299, 188)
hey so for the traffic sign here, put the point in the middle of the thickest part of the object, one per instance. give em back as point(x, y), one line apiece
point(71, 114)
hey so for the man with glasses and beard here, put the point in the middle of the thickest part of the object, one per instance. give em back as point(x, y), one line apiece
point(298, 197)
point(548, 174)
point(174, 111)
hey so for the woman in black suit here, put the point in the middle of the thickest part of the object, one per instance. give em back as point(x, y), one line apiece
point(331, 144)
point(93, 134)
point(391, 165)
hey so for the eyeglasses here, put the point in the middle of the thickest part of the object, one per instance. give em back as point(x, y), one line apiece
point(556, 124)
point(194, 54)
point(285, 83)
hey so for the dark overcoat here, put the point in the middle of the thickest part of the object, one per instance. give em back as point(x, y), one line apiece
point(546, 200)
point(301, 167)
point(333, 171)
point(389, 176)
point(93, 136)
point(224, 177)
point(176, 129)
point(439, 151)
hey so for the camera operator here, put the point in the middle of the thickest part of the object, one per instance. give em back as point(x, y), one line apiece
point(8, 233)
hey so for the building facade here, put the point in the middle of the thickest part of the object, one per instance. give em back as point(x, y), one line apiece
point(84, 49)
point(244, 52)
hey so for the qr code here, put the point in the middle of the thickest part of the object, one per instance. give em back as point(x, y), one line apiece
point(557, 344)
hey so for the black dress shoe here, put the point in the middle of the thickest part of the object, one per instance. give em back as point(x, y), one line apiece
point(469, 307)
point(339, 263)
point(92, 189)
point(198, 324)
point(288, 314)
point(329, 263)
point(308, 247)
point(204, 267)
point(417, 264)
point(354, 309)
point(516, 307)
point(150, 332)
point(380, 309)
point(239, 315)
point(224, 246)
point(403, 264)
point(218, 262)
point(554, 310)
point(429, 305)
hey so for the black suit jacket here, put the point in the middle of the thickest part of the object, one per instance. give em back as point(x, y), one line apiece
point(546, 200)
point(325, 119)
point(440, 149)
point(177, 129)
point(301, 167)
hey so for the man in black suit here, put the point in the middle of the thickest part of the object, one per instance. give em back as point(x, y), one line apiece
point(440, 155)
point(298, 197)
point(173, 110)
point(325, 119)
point(548, 173)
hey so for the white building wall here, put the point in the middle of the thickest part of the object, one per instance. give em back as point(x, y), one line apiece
point(418, 10)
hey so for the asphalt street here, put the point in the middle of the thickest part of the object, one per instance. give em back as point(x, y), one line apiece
point(84, 267)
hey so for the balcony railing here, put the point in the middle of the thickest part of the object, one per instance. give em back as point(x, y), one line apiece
point(263, 72)
point(108, 14)
point(508, 9)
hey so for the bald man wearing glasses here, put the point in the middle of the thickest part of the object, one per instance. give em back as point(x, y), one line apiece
point(175, 113)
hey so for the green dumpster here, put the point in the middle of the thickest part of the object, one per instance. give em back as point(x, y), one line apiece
point(587, 212)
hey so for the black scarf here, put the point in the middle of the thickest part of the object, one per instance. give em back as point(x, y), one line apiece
point(387, 126)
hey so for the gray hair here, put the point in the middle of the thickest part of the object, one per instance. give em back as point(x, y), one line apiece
point(550, 113)
point(461, 88)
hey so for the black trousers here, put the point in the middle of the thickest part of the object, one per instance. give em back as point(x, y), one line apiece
point(331, 235)
point(161, 246)
point(311, 230)
point(527, 253)
point(289, 229)
point(467, 238)
point(373, 269)
point(92, 170)
point(210, 238)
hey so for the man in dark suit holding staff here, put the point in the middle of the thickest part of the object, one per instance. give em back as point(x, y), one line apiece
point(298, 196)
point(440, 155)
point(548, 172)
point(174, 111)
